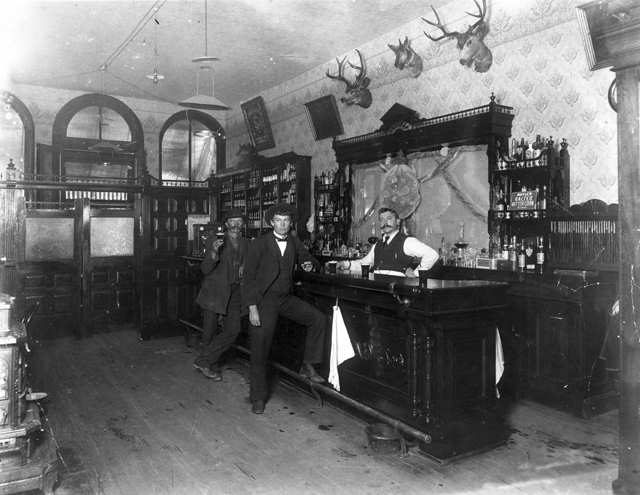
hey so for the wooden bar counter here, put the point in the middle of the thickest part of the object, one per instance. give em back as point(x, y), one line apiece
point(424, 355)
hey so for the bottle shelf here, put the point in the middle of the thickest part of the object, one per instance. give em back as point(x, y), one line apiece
point(518, 214)
point(325, 187)
point(279, 179)
point(509, 165)
point(526, 189)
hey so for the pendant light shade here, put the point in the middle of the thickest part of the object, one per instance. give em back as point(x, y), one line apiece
point(206, 100)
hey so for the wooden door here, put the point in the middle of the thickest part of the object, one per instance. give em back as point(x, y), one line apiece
point(109, 240)
point(48, 272)
point(80, 267)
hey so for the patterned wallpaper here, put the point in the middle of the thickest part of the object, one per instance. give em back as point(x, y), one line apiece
point(539, 68)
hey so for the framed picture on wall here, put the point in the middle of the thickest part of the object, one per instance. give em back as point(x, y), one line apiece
point(255, 116)
point(324, 117)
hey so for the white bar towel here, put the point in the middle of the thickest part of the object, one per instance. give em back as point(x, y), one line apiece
point(341, 348)
point(499, 361)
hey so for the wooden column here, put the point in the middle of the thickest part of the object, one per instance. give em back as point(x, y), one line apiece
point(610, 30)
point(628, 88)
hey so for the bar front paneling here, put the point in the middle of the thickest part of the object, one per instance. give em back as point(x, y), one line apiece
point(424, 355)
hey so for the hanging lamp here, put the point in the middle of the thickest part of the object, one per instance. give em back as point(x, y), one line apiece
point(205, 72)
point(155, 76)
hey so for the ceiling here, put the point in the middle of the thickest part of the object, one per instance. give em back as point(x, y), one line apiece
point(260, 43)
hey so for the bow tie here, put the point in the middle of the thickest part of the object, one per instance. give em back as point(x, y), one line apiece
point(281, 239)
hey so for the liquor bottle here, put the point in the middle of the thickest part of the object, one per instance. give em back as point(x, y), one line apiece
point(540, 255)
point(500, 203)
point(504, 247)
point(530, 257)
point(521, 258)
point(528, 152)
point(542, 199)
point(513, 253)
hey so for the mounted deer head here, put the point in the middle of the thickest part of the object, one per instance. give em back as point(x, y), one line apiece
point(406, 57)
point(470, 43)
point(357, 92)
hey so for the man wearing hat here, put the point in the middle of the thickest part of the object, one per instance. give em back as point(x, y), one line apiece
point(266, 292)
point(219, 294)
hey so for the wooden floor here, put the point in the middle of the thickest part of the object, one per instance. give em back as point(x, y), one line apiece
point(134, 417)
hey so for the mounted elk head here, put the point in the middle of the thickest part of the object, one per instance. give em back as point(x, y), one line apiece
point(357, 92)
point(470, 43)
point(406, 57)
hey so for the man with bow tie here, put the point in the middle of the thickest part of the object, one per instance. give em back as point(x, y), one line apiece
point(266, 292)
point(396, 252)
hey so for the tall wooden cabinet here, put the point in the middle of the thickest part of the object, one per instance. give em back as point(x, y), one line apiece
point(332, 208)
point(280, 179)
point(527, 186)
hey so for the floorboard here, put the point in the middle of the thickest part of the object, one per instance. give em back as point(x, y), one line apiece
point(134, 417)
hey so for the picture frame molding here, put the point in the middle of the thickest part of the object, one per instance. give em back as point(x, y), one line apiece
point(258, 125)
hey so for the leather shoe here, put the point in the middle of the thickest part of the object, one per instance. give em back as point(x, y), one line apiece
point(308, 371)
point(214, 375)
point(257, 407)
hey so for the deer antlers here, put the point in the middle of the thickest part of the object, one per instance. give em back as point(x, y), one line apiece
point(470, 43)
point(356, 91)
point(406, 57)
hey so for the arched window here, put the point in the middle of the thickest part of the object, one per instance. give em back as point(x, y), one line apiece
point(99, 123)
point(98, 137)
point(16, 134)
point(192, 147)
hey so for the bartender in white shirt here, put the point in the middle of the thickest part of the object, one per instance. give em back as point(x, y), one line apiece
point(394, 254)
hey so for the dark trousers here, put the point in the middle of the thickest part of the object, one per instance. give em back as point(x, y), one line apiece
point(295, 309)
point(213, 345)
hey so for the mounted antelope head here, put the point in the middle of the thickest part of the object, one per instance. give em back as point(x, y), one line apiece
point(470, 43)
point(357, 92)
point(406, 57)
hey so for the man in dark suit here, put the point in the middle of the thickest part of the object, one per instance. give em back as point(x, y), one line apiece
point(266, 292)
point(219, 295)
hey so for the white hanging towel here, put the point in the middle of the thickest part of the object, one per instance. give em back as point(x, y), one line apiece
point(341, 348)
point(499, 361)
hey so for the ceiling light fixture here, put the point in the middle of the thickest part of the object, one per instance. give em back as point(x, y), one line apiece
point(205, 69)
point(155, 76)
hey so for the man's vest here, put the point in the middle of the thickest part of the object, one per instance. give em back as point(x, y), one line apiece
point(391, 256)
point(282, 285)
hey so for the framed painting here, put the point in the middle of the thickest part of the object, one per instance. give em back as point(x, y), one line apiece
point(255, 116)
point(324, 118)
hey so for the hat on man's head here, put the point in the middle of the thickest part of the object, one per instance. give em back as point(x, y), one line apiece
point(280, 209)
point(234, 213)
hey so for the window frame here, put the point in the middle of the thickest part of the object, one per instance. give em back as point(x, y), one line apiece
point(28, 128)
point(210, 123)
point(63, 144)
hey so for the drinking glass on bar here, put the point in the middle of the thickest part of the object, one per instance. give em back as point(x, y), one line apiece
point(331, 266)
point(365, 271)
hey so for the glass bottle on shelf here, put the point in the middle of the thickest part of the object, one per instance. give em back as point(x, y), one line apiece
point(513, 257)
point(521, 258)
point(504, 247)
point(530, 257)
point(542, 200)
point(501, 205)
point(540, 255)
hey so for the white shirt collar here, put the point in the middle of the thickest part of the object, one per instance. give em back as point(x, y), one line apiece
point(391, 236)
point(279, 238)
